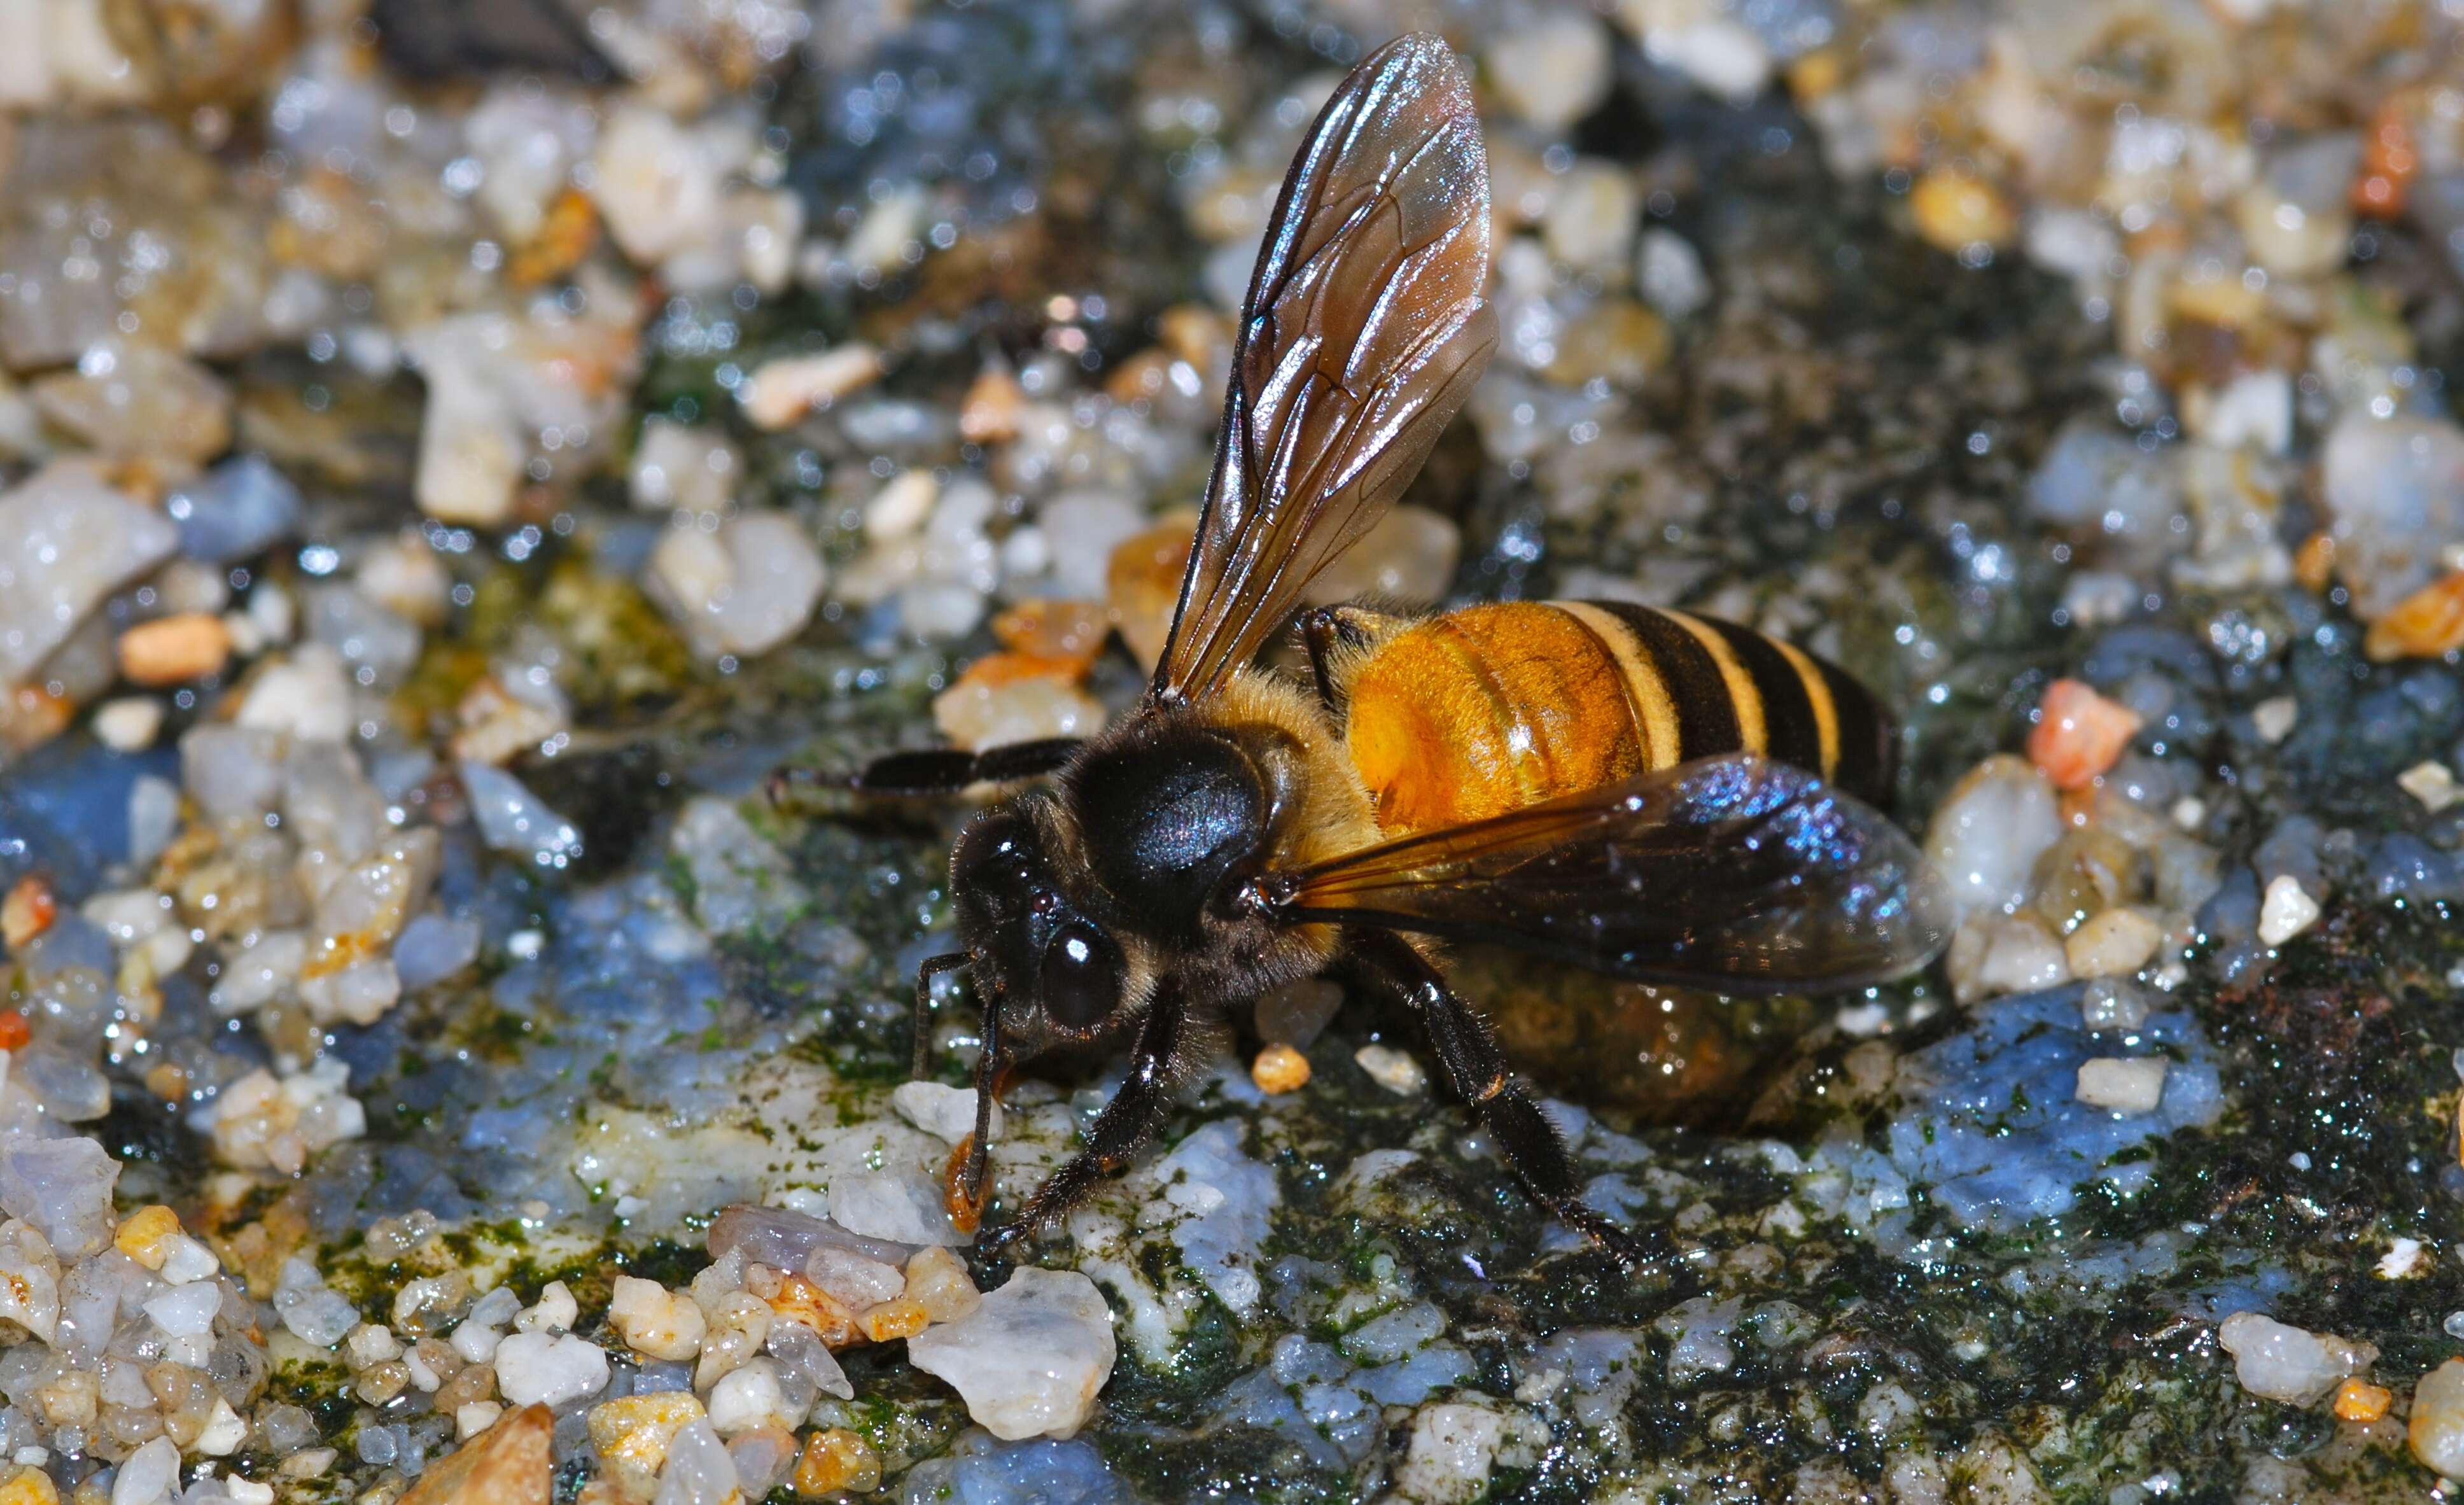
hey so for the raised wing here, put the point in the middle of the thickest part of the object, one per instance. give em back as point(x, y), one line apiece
point(1362, 335)
point(1735, 874)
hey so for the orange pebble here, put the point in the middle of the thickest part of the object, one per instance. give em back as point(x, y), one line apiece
point(800, 1300)
point(28, 910)
point(15, 1034)
point(1067, 630)
point(2078, 734)
point(896, 1318)
point(1280, 1068)
point(1000, 669)
point(2359, 1401)
point(2428, 624)
point(2314, 566)
point(1142, 582)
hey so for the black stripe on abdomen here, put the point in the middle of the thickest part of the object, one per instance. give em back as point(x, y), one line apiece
point(1706, 722)
point(1790, 732)
point(1868, 742)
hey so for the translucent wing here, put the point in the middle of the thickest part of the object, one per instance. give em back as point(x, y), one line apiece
point(1735, 873)
point(1362, 335)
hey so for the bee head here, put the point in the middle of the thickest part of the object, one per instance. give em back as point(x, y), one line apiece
point(1051, 972)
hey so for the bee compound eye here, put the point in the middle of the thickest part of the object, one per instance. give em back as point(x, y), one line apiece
point(1081, 978)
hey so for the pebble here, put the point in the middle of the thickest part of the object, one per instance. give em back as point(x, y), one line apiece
point(742, 589)
point(1715, 51)
point(404, 575)
point(235, 511)
point(937, 1281)
point(1396, 1070)
point(2359, 1401)
point(653, 1321)
point(128, 724)
point(633, 1434)
point(781, 392)
point(174, 650)
point(698, 1470)
point(1032, 1357)
point(836, 1460)
point(1994, 955)
point(1280, 1068)
point(1955, 211)
point(549, 1369)
point(2283, 1363)
point(1668, 273)
point(1986, 835)
point(898, 510)
point(946, 1112)
point(306, 695)
point(656, 186)
point(1551, 71)
point(1589, 223)
point(682, 468)
point(1454, 1448)
point(900, 1207)
point(148, 1476)
point(2114, 943)
point(748, 1397)
point(976, 714)
point(2078, 734)
point(1406, 559)
point(2394, 488)
point(2432, 783)
point(2436, 1426)
point(990, 412)
point(2428, 624)
point(67, 541)
point(2128, 1085)
point(511, 818)
point(2285, 911)
point(508, 1464)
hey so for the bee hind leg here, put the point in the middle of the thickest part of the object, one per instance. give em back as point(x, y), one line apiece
point(1329, 632)
point(1529, 1143)
point(1118, 1131)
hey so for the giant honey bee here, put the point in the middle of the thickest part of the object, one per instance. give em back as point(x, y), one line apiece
point(1650, 794)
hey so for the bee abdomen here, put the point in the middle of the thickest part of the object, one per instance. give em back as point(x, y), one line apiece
point(1494, 707)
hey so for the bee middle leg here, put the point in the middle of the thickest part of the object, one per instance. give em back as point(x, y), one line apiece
point(1529, 1143)
point(1120, 1129)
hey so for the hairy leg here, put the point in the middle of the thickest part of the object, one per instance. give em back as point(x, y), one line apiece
point(1530, 1145)
point(1119, 1129)
point(928, 969)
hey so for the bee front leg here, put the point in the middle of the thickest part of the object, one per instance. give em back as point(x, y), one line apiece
point(1329, 631)
point(1119, 1129)
point(1529, 1143)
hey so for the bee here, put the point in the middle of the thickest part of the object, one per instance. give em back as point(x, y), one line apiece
point(1650, 794)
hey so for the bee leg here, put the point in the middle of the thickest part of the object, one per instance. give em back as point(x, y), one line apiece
point(1529, 1143)
point(1326, 631)
point(930, 968)
point(1118, 1130)
point(936, 770)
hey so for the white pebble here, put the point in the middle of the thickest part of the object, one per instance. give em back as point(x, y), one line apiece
point(2130, 1085)
point(1393, 1070)
point(2285, 911)
point(2282, 1363)
point(537, 1368)
point(1988, 834)
point(2275, 718)
point(1668, 272)
point(224, 1432)
point(750, 1397)
point(2114, 943)
point(945, 1113)
point(2431, 784)
point(2438, 1422)
point(654, 1321)
point(149, 1474)
point(2405, 1260)
point(555, 1312)
point(1552, 72)
point(781, 392)
point(1031, 1359)
point(900, 507)
point(128, 724)
point(974, 715)
point(474, 1417)
point(511, 818)
point(902, 1208)
point(744, 590)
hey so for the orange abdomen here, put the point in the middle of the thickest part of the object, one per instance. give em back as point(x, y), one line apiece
point(1490, 708)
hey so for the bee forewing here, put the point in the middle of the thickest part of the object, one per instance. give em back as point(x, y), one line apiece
point(1362, 335)
point(1734, 872)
